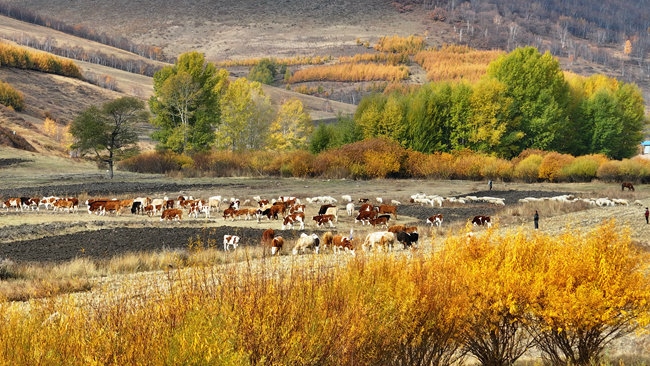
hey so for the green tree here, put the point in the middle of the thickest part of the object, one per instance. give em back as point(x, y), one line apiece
point(246, 117)
point(185, 103)
point(323, 138)
point(369, 113)
point(539, 94)
point(264, 71)
point(291, 128)
point(109, 132)
point(428, 118)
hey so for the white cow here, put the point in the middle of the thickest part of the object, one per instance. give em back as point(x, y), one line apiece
point(230, 241)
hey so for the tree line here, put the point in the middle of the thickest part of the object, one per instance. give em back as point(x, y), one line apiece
point(524, 101)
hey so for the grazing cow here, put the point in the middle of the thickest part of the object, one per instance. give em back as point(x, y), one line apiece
point(214, 202)
point(365, 217)
point(172, 214)
point(270, 240)
point(276, 245)
point(267, 236)
point(13, 202)
point(305, 241)
point(366, 207)
point(482, 220)
point(407, 239)
point(150, 210)
point(290, 219)
point(384, 239)
point(324, 219)
point(48, 202)
point(627, 185)
point(363, 200)
point(32, 203)
point(112, 206)
point(96, 206)
point(136, 207)
point(230, 241)
point(338, 242)
point(63, 205)
point(324, 208)
point(435, 219)
point(229, 212)
point(380, 220)
point(388, 209)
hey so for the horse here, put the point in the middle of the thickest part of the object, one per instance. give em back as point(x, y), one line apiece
point(627, 185)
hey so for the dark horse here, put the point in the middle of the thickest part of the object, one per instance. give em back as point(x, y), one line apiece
point(627, 185)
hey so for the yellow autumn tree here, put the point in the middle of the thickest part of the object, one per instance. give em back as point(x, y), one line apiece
point(596, 290)
point(50, 128)
point(500, 277)
point(291, 128)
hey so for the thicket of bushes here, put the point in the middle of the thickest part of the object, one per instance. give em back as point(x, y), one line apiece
point(383, 158)
point(491, 296)
point(11, 97)
point(23, 58)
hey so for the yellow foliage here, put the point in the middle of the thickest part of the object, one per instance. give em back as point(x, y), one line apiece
point(455, 63)
point(397, 44)
point(552, 165)
point(351, 73)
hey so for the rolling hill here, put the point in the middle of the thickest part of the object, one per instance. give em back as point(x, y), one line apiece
point(586, 40)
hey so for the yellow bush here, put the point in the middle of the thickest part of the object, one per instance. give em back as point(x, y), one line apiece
point(528, 169)
point(582, 168)
point(551, 167)
point(467, 165)
point(397, 44)
point(351, 73)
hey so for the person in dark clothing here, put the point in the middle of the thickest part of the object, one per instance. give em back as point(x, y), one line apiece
point(490, 184)
point(536, 219)
point(647, 213)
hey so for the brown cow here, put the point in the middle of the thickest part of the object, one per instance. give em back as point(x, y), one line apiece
point(267, 236)
point(229, 212)
point(63, 205)
point(388, 209)
point(172, 214)
point(112, 206)
point(96, 206)
point(324, 219)
point(380, 220)
point(270, 240)
point(365, 217)
point(338, 242)
point(435, 219)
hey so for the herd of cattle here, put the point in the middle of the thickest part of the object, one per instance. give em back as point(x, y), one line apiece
point(288, 210)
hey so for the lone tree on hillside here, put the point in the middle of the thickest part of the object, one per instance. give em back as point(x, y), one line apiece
point(110, 132)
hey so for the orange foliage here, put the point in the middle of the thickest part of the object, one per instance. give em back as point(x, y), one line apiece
point(351, 73)
point(397, 44)
point(289, 61)
point(552, 165)
point(455, 63)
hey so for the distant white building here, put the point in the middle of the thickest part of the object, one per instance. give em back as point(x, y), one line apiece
point(645, 147)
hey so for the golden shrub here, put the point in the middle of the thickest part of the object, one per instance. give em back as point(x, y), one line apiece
point(551, 167)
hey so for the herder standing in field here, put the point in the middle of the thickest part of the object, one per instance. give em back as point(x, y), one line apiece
point(536, 220)
point(647, 213)
point(490, 184)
